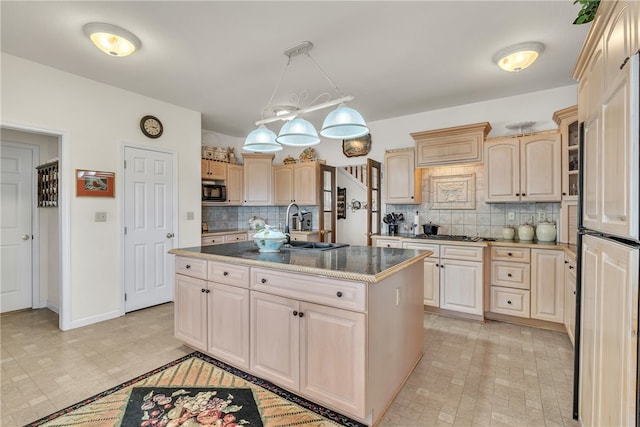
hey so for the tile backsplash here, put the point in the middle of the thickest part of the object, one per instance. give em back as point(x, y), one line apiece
point(486, 220)
point(219, 218)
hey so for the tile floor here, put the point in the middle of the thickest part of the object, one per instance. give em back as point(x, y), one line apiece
point(472, 374)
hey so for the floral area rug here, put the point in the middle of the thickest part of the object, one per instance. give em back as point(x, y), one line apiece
point(196, 390)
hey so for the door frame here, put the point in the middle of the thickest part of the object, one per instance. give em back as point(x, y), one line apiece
point(120, 188)
point(64, 219)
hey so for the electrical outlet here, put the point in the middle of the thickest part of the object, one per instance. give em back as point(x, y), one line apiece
point(511, 216)
point(190, 216)
point(541, 216)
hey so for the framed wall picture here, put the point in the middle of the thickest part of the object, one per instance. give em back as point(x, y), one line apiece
point(357, 147)
point(95, 183)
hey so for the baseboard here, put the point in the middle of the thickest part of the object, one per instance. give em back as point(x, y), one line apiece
point(78, 323)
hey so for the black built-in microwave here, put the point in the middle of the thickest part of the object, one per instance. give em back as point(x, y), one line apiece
point(213, 192)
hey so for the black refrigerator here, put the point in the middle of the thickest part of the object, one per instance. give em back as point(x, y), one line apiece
point(606, 370)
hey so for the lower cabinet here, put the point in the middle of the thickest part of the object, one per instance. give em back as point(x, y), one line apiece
point(570, 280)
point(218, 239)
point(431, 273)
point(547, 285)
point(213, 316)
point(293, 344)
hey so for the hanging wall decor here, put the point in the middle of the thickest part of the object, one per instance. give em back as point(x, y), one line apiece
point(357, 147)
point(95, 183)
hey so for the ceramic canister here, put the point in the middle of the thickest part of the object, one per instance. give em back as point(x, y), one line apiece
point(546, 232)
point(525, 232)
point(508, 232)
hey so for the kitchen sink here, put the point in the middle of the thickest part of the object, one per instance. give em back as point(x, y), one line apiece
point(312, 246)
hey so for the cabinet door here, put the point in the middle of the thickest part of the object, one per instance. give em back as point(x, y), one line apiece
point(547, 285)
point(190, 311)
point(502, 170)
point(461, 286)
point(228, 314)
point(305, 183)
point(540, 168)
point(204, 168)
point(333, 340)
point(234, 184)
point(400, 177)
point(283, 185)
point(258, 181)
point(570, 299)
point(275, 339)
point(432, 282)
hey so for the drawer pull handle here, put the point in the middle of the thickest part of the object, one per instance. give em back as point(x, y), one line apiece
point(301, 314)
point(508, 274)
point(339, 294)
point(509, 302)
point(188, 266)
point(226, 273)
point(263, 280)
point(295, 314)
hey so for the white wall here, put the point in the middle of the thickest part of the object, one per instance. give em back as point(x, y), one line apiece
point(95, 121)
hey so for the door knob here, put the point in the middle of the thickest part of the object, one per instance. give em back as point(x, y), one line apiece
point(25, 237)
point(169, 235)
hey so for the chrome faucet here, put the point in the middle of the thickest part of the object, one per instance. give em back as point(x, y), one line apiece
point(286, 227)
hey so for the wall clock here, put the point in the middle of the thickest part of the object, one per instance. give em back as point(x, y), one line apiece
point(151, 126)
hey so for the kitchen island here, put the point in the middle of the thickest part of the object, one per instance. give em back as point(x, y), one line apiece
point(341, 327)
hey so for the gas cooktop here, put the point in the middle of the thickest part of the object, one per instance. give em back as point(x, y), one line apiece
point(452, 237)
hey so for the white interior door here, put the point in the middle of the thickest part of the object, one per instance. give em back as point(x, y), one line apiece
point(149, 222)
point(16, 189)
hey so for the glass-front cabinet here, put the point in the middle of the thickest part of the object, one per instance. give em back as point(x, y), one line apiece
point(567, 121)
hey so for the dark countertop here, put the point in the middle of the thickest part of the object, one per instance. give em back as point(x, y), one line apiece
point(359, 263)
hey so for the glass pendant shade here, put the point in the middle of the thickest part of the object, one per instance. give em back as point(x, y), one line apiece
point(344, 123)
point(298, 132)
point(262, 140)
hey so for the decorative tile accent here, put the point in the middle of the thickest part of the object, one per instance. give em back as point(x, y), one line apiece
point(453, 192)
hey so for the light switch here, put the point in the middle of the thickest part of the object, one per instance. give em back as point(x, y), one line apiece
point(101, 217)
point(190, 216)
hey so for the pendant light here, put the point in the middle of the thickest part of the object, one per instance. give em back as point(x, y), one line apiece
point(262, 140)
point(342, 123)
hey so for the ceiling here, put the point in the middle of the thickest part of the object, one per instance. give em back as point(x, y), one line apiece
point(223, 58)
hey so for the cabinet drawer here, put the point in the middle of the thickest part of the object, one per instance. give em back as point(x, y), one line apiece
point(510, 253)
point(231, 238)
point(510, 274)
point(464, 253)
point(191, 267)
point(213, 240)
point(331, 292)
point(388, 243)
point(229, 274)
point(424, 247)
point(513, 302)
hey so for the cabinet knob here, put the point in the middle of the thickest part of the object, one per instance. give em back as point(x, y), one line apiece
point(188, 266)
point(437, 265)
point(574, 292)
point(508, 274)
point(263, 280)
point(295, 313)
point(208, 291)
point(571, 267)
point(517, 194)
point(509, 302)
point(301, 314)
point(566, 262)
point(203, 290)
point(226, 273)
point(564, 194)
point(510, 254)
point(339, 294)
point(441, 265)
point(523, 194)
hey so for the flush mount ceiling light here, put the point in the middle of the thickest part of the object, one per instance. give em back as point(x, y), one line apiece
point(518, 57)
point(111, 39)
point(342, 123)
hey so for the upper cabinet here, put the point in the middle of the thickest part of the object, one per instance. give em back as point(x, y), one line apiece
point(213, 170)
point(567, 121)
point(402, 179)
point(524, 169)
point(258, 182)
point(296, 183)
point(455, 145)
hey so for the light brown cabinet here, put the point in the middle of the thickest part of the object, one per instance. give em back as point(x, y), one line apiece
point(296, 183)
point(234, 183)
point(547, 285)
point(213, 315)
point(218, 239)
point(524, 169)
point(403, 182)
point(567, 121)
point(258, 179)
point(455, 145)
point(570, 281)
point(431, 274)
point(510, 281)
point(213, 170)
